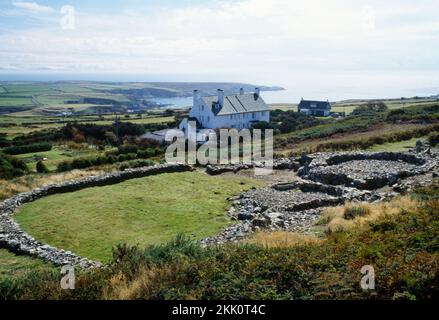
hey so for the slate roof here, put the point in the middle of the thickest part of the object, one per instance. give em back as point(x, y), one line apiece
point(314, 105)
point(237, 103)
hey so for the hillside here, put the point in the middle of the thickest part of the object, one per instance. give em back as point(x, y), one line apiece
point(53, 98)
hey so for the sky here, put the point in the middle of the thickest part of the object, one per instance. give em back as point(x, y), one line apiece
point(326, 48)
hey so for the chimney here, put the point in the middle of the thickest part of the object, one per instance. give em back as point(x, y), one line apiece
point(241, 91)
point(257, 92)
point(221, 97)
point(196, 96)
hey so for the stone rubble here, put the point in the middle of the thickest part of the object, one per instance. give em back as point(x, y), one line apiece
point(327, 179)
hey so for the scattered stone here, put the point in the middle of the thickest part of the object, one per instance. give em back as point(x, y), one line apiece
point(328, 179)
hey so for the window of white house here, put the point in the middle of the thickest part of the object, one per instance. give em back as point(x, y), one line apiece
point(231, 117)
point(202, 107)
point(208, 118)
point(253, 115)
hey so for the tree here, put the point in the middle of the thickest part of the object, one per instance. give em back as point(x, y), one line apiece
point(370, 107)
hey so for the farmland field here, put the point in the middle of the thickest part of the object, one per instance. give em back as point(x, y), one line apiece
point(56, 155)
point(146, 211)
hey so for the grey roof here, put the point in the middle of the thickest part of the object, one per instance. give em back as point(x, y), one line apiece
point(237, 103)
point(313, 104)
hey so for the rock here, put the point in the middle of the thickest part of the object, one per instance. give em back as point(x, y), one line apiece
point(244, 215)
point(257, 209)
point(328, 179)
point(262, 223)
point(273, 216)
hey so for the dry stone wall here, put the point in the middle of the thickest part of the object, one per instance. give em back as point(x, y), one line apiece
point(326, 179)
point(16, 240)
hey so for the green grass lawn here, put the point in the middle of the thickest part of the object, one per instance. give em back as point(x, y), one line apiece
point(146, 211)
point(12, 265)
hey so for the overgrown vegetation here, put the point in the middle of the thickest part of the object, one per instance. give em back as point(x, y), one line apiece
point(359, 144)
point(37, 147)
point(288, 121)
point(11, 167)
point(400, 242)
point(427, 113)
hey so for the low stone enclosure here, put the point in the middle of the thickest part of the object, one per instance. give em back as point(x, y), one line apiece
point(18, 241)
point(323, 179)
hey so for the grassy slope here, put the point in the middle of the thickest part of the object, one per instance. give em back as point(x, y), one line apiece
point(374, 131)
point(147, 210)
point(396, 146)
point(401, 245)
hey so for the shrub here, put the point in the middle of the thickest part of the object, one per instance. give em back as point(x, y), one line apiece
point(127, 148)
point(370, 107)
point(41, 167)
point(37, 147)
point(64, 166)
point(11, 167)
point(433, 138)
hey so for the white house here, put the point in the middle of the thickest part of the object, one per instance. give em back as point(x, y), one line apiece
point(233, 111)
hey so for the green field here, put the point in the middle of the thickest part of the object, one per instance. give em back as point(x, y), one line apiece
point(57, 155)
point(145, 211)
point(15, 126)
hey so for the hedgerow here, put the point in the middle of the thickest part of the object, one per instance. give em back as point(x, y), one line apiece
point(37, 147)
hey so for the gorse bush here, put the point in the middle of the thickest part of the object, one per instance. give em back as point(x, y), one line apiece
point(348, 124)
point(11, 167)
point(288, 121)
point(41, 167)
point(433, 138)
point(370, 107)
point(415, 113)
point(83, 163)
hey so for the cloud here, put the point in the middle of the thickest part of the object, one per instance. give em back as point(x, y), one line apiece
point(245, 39)
point(33, 7)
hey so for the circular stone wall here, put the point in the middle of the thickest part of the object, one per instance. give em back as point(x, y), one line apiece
point(367, 171)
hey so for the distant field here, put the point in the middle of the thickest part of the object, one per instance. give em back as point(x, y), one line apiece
point(348, 107)
point(22, 126)
point(397, 146)
point(11, 101)
point(147, 210)
point(56, 155)
point(52, 95)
